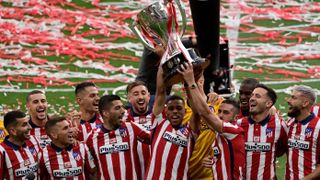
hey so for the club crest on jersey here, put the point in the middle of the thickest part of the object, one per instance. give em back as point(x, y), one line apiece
point(2, 134)
point(184, 130)
point(98, 126)
point(76, 156)
point(123, 132)
point(308, 132)
point(33, 151)
point(269, 132)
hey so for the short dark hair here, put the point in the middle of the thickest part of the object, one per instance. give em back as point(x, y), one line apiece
point(80, 87)
point(234, 103)
point(250, 81)
point(52, 122)
point(11, 118)
point(32, 93)
point(106, 102)
point(134, 84)
point(174, 97)
point(270, 92)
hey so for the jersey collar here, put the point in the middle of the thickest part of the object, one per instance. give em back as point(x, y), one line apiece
point(58, 149)
point(262, 123)
point(105, 130)
point(33, 125)
point(12, 145)
point(307, 119)
point(134, 114)
point(92, 120)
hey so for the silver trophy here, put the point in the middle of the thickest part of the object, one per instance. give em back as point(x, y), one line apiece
point(157, 25)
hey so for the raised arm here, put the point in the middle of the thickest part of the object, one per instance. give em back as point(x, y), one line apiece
point(200, 105)
point(195, 118)
point(160, 93)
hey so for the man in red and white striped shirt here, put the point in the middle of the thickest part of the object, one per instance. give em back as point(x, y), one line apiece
point(140, 112)
point(316, 110)
point(245, 91)
point(114, 144)
point(266, 135)
point(19, 152)
point(228, 148)
point(172, 141)
point(37, 106)
point(304, 136)
point(87, 96)
point(229, 153)
point(62, 158)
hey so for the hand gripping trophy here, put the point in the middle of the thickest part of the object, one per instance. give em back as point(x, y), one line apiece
point(157, 25)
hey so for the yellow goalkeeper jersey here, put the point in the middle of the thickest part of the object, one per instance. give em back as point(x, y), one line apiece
point(201, 149)
point(3, 131)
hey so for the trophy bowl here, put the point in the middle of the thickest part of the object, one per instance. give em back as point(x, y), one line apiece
point(157, 26)
point(170, 66)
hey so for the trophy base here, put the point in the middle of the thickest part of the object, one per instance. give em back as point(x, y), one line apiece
point(172, 76)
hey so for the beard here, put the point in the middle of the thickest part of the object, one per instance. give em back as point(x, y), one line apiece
point(294, 112)
point(140, 109)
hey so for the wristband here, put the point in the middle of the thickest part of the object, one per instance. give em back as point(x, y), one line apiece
point(192, 86)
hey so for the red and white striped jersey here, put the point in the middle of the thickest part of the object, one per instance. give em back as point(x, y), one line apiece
point(170, 151)
point(86, 127)
point(115, 152)
point(40, 134)
point(264, 141)
point(20, 162)
point(143, 149)
point(229, 153)
point(316, 110)
point(303, 147)
point(70, 163)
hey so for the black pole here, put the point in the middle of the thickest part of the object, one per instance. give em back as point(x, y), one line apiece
point(206, 21)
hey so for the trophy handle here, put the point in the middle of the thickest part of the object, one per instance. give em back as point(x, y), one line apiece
point(136, 31)
point(183, 16)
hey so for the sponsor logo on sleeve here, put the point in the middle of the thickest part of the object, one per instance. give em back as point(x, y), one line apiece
point(69, 172)
point(298, 144)
point(175, 139)
point(257, 146)
point(114, 148)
